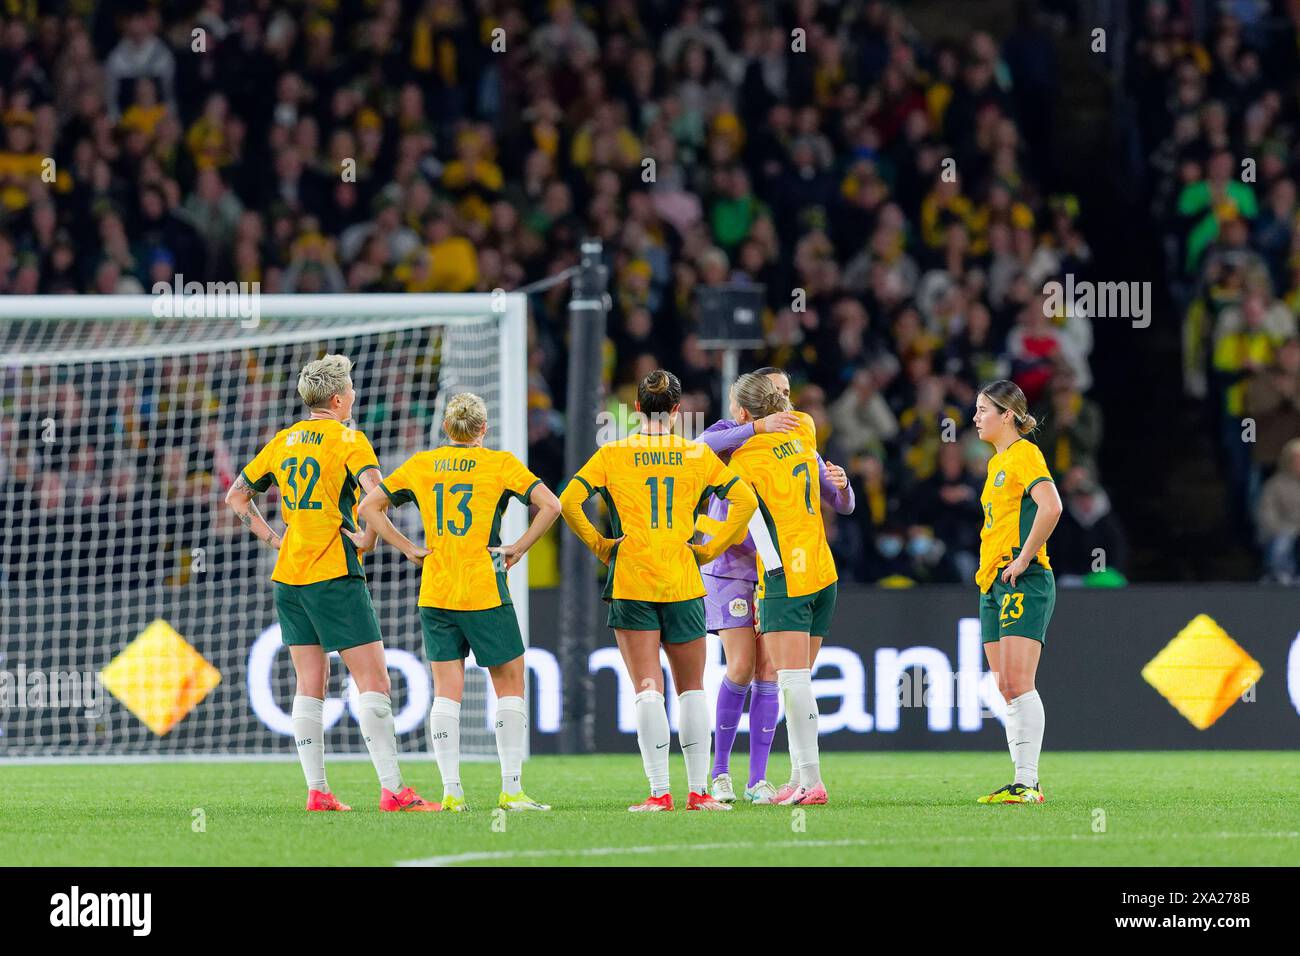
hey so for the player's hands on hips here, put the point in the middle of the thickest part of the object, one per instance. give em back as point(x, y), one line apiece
point(777, 422)
point(417, 554)
point(511, 553)
point(1015, 569)
point(607, 547)
point(358, 538)
point(838, 476)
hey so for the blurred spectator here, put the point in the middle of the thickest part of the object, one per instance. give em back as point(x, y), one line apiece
point(389, 147)
point(1089, 538)
point(1273, 401)
point(1278, 515)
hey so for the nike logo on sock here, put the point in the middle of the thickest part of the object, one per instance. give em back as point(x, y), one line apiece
point(769, 730)
point(660, 746)
point(732, 727)
point(684, 746)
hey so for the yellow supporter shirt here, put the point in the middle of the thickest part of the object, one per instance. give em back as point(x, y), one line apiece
point(317, 464)
point(654, 487)
point(1009, 510)
point(794, 558)
point(462, 492)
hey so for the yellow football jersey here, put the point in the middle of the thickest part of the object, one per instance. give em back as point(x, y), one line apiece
point(654, 487)
point(794, 558)
point(462, 492)
point(316, 463)
point(1009, 511)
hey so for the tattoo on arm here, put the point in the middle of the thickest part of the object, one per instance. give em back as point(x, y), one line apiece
point(246, 516)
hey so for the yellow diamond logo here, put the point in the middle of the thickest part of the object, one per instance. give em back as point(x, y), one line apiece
point(160, 677)
point(1202, 671)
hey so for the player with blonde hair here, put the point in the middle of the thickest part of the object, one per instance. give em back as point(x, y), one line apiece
point(462, 490)
point(797, 583)
point(321, 597)
point(1017, 587)
point(729, 603)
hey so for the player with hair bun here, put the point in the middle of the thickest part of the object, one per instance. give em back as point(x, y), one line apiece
point(1017, 587)
point(462, 490)
point(653, 483)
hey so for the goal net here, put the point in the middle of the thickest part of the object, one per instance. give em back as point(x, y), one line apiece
point(138, 615)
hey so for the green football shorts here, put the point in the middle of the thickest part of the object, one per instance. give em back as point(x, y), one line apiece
point(811, 613)
point(678, 622)
point(1020, 611)
point(336, 614)
point(492, 634)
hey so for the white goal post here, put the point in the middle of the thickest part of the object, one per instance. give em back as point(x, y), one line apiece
point(138, 618)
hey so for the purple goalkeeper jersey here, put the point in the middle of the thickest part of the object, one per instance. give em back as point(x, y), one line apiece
point(739, 561)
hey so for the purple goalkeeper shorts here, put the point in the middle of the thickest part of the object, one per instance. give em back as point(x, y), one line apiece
point(728, 602)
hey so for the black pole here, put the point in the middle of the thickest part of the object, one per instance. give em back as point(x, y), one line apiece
point(580, 603)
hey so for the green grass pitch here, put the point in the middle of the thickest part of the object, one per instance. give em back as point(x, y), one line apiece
point(1122, 809)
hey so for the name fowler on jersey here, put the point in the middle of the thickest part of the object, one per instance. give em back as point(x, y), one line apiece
point(647, 458)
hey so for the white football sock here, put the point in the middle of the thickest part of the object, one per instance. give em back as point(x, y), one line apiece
point(794, 753)
point(653, 736)
point(309, 735)
point(1025, 723)
point(693, 735)
point(801, 723)
point(376, 713)
point(444, 728)
point(512, 731)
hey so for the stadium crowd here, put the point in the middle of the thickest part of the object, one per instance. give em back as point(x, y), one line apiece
point(890, 191)
point(1218, 125)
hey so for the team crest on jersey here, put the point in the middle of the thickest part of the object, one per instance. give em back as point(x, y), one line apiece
point(739, 607)
point(999, 479)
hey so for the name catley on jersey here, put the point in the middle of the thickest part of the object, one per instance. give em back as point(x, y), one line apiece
point(654, 487)
point(317, 464)
point(794, 558)
point(462, 492)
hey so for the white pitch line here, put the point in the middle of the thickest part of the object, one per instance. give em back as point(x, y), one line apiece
point(598, 851)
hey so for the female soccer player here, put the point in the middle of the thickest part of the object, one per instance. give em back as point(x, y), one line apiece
point(462, 491)
point(797, 582)
point(729, 610)
point(320, 589)
point(1018, 590)
point(653, 483)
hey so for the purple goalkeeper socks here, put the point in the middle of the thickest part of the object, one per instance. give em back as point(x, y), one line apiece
point(731, 704)
point(764, 705)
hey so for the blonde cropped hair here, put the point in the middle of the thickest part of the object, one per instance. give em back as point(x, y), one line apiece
point(466, 417)
point(321, 380)
point(758, 395)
